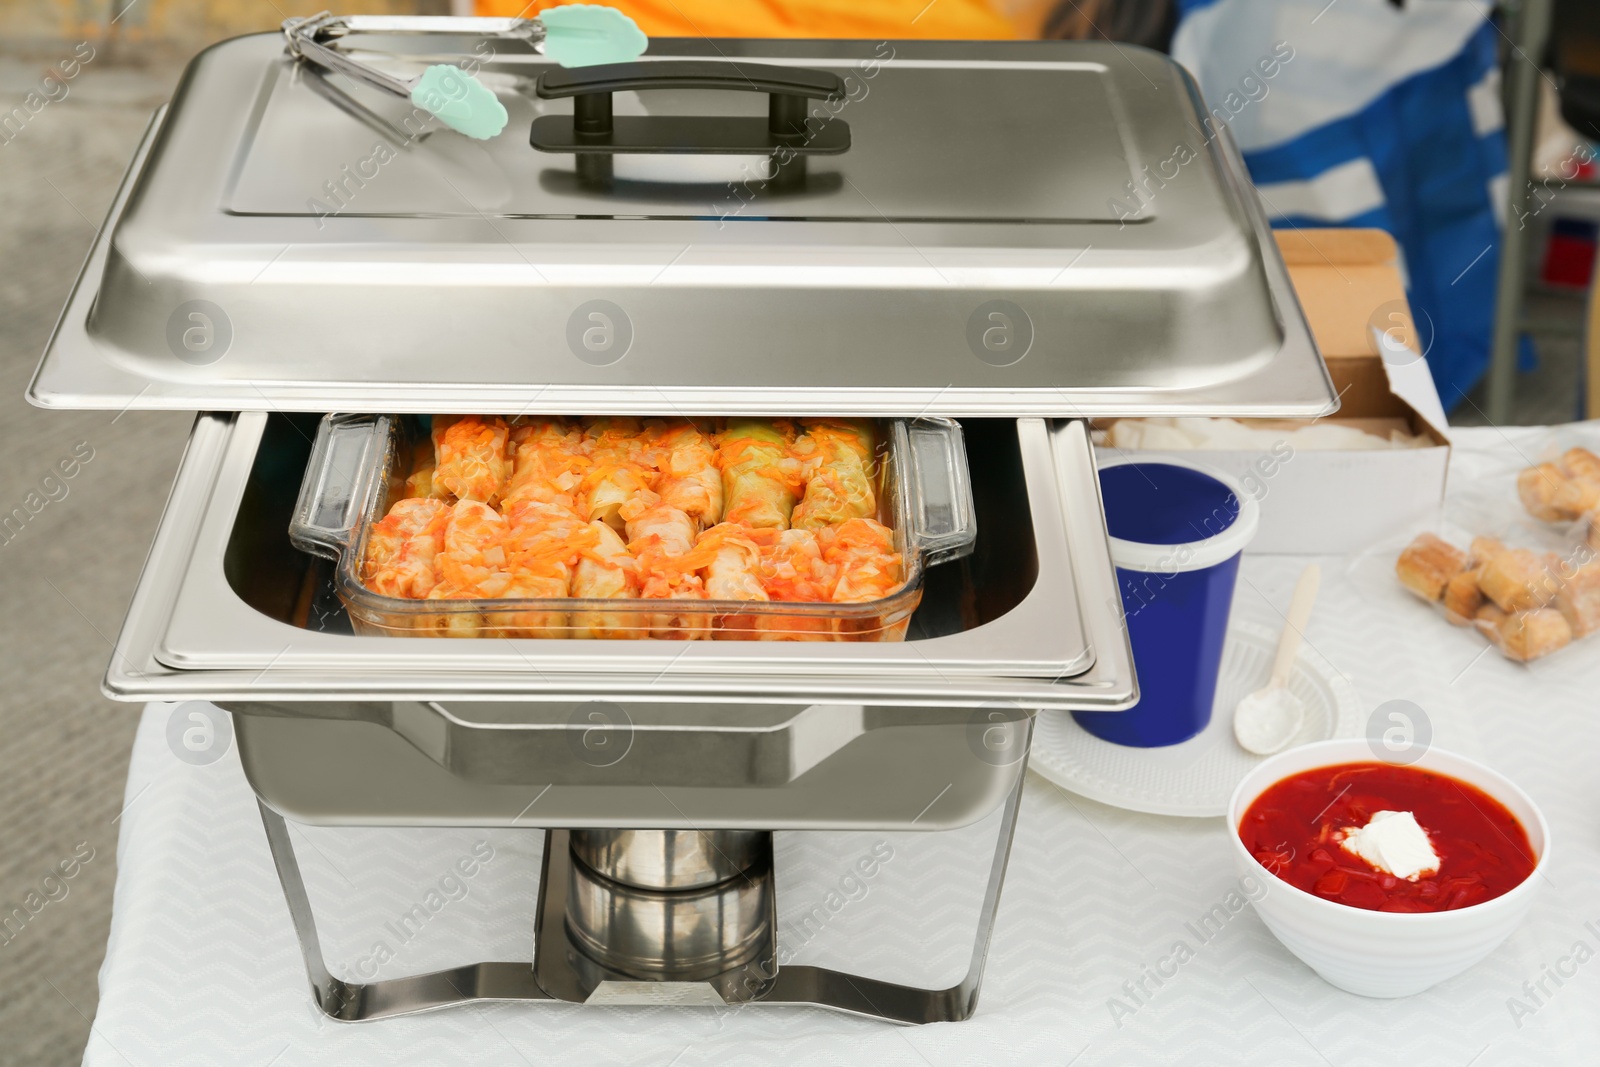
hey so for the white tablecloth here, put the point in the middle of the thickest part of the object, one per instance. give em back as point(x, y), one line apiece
point(203, 968)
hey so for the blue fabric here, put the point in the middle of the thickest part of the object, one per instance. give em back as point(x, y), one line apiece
point(1436, 176)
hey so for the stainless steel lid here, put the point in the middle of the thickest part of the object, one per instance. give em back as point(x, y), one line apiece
point(1023, 228)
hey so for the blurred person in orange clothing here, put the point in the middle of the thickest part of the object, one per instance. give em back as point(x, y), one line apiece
point(880, 19)
point(1146, 22)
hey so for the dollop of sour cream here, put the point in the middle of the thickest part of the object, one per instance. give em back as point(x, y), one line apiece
point(1393, 842)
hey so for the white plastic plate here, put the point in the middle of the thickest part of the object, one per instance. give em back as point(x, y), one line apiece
point(1195, 778)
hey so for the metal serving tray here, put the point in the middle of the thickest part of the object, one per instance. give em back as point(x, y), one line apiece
point(355, 474)
point(967, 255)
point(191, 634)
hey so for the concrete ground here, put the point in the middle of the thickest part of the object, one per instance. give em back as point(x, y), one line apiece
point(69, 573)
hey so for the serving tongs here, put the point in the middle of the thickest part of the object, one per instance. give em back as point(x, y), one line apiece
point(574, 35)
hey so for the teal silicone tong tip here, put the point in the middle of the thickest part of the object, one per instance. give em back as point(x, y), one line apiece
point(460, 101)
point(584, 35)
point(574, 35)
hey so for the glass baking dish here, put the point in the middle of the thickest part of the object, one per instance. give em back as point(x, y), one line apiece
point(358, 468)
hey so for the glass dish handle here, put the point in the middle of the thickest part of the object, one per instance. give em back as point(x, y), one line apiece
point(337, 488)
point(937, 500)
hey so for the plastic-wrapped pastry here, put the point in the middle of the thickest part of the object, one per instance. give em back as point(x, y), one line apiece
point(402, 546)
point(1427, 564)
point(605, 571)
point(1528, 604)
point(1462, 597)
point(1579, 600)
point(1519, 580)
point(1482, 550)
point(1576, 497)
point(687, 462)
point(1527, 635)
point(760, 479)
point(1562, 492)
point(1582, 464)
point(1538, 487)
point(836, 456)
point(470, 456)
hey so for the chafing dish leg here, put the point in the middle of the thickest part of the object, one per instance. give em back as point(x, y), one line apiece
point(361, 1001)
point(908, 1004)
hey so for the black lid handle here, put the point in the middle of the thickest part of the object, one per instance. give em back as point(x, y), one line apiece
point(592, 129)
point(690, 74)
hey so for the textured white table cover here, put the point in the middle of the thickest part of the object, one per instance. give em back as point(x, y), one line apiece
point(202, 965)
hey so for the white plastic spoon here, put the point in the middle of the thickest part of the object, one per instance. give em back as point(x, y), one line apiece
point(1268, 719)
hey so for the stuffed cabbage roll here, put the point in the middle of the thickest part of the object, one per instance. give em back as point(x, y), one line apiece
point(837, 457)
point(605, 571)
point(760, 479)
point(667, 577)
point(652, 523)
point(419, 483)
point(619, 470)
point(471, 564)
point(402, 548)
point(730, 560)
point(470, 456)
point(863, 550)
point(793, 570)
point(689, 478)
point(543, 544)
point(869, 569)
point(548, 462)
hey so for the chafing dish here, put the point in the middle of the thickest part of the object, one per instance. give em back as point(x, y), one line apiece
point(1015, 237)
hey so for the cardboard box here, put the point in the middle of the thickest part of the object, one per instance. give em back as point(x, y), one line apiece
point(1333, 503)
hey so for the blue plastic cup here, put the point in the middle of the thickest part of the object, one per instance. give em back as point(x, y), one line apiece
point(1177, 530)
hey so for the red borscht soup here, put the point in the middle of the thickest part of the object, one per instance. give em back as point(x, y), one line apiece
point(1294, 829)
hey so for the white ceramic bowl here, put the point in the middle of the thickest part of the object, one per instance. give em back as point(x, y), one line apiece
point(1380, 953)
